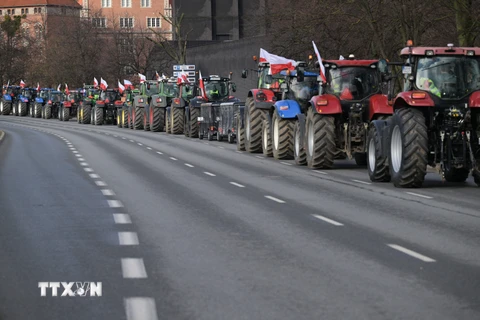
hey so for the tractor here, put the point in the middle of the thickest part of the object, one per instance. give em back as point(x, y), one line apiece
point(175, 113)
point(436, 119)
point(25, 102)
point(337, 119)
point(9, 99)
point(65, 111)
point(208, 107)
point(123, 107)
point(88, 101)
point(51, 108)
point(105, 109)
point(143, 102)
point(136, 105)
point(74, 97)
point(156, 110)
point(40, 100)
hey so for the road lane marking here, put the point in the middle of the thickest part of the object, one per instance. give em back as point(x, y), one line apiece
point(237, 184)
point(140, 144)
point(221, 147)
point(132, 141)
point(159, 152)
point(411, 253)
point(124, 138)
point(88, 169)
point(189, 165)
point(335, 223)
point(286, 163)
point(75, 151)
point(127, 238)
point(78, 155)
point(320, 172)
point(100, 183)
point(94, 176)
point(114, 204)
point(149, 148)
point(80, 159)
point(140, 308)
point(360, 181)
point(122, 218)
point(174, 159)
point(259, 157)
point(108, 192)
point(419, 195)
point(133, 268)
point(239, 151)
point(210, 174)
point(275, 199)
point(84, 164)
point(115, 136)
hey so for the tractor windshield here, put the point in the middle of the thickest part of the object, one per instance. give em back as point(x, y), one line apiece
point(110, 95)
point(305, 90)
point(216, 90)
point(27, 94)
point(43, 94)
point(449, 77)
point(170, 89)
point(93, 92)
point(56, 97)
point(353, 83)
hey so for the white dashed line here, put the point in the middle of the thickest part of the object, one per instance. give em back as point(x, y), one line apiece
point(127, 238)
point(122, 218)
point(221, 147)
point(131, 141)
point(275, 199)
point(75, 151)
point(108, 192)
point(319, 172)
point(80, 159)
point(140, 144)
point(360, 181)
point(78, 155)
point(206, 143)
point(140, 308)
point(133, 268)
point(83, 164)
point(335, 223)
point(239, 151)
point(159, 152)
point(174, 159)
point(149, 148)
point(114, 204)
point(210, 174)
point(124, 138)
point(115, 136)
point(88, 169)
point(100, 183)
point(259, 157)
point(94, 176)
point(107, 134)
point(237, 184)
point(411, 253)
point(286, 163)
point(188, 165)
point(419, 195)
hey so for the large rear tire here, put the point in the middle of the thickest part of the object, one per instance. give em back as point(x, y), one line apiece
point(157, 120)
point(266, 139)
point(124, 118)
point(476, 175)
point(138, 118)
point(177, 121)
point(320, 142)
point(6, 108)
point(456, 175)
point(194, 126)
point(146, 119)
point(253, 127)
point(282, 140)
point(98, 116)
point(408, 148)
point(299, 152)
point(240, 134)
point(48, 112)
point(86, 114)
point(37, 109)
point(66, 114)
point(377, 164)
point(119, 118)
point(23, 109)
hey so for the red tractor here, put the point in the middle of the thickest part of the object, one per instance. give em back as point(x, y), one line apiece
point(337, 121)
point(436, 119)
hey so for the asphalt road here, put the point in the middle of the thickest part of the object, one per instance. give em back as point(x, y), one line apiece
point(179, 228)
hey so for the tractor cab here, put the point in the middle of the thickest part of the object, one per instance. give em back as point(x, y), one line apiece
point(217, 88)
point(300, 86)
point(29, 93)
point(169, 88)
point(55, 97)
point(110, 95)
point(44, 93)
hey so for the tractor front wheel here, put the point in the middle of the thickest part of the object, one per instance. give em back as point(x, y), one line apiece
point(86, 114)
point(66, 114)
point(240, 134)
point(177, 122)
point(253, 127)
point(48, 112)
point(377, 164)
point(320, 142)
point(299, 152)
point(266, 139)
point(137, 118)
point(282, 142)
point(157, 119)
point(194, 114)
point(23, 109)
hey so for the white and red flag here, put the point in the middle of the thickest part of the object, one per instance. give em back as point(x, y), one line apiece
point(142, 78)
point(22, 84)
point(38, 86)
point(103, 84)
point(59, 87)
point(95, 82)
point(157, 76)
point(127, 84)
point(322, 68)
point(277, 63)
point(201, 84)
point(66, 89)
point(121, 87)
point(182, 77)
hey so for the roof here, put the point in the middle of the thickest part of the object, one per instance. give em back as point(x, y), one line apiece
point(33, 3)
point(351, 63)
point(439, 50)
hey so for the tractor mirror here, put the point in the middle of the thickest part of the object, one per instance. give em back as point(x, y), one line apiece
point(382, 66)
point(283, 87)
point(300, 76)
point(244, 73)
point(234, 87)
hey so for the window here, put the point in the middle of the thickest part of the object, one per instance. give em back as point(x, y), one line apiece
point(126, 3)
point(26, 11)
point(145, 3)
point(23, 11)
point(154, 22)
point(99, 22)
point(0, 12)
point(13, 11)
point(126, 22)
point(8, 11)
point(107, 3)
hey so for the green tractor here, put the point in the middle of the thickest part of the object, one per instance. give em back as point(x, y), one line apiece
point(175, 123)
point(89, 99)
point(154, 116)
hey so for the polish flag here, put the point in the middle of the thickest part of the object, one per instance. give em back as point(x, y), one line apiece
point(142, 78)
point(22, 84)
point(38, 86)
point(277, 63)
point(182, 78)
point(95, 82)
point(157, 76)
point(127, 84)
point(59, 87)
point(322, 68)
point(103, 84)
point(66, 89)
point(202, 85)
point(164, 76)
point(121, 87)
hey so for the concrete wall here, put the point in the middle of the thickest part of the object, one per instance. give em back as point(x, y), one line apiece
point(221, 58)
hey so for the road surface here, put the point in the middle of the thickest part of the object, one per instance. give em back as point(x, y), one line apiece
point(178, 228)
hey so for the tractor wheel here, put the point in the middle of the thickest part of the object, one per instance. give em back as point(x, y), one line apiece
point(219, 137)
point(65, 114)
point(210, 136)
point(92, 116)
point(157, 120)
point(48, 112)
point(253, 127)
point(408, 148)
point(230, 138)
point(194, 126)
point(1, 107)
point(240, 134)
point(7, 108)
point(124, 118)
point(79, 114)
point(23, 109)
point(98, 116)
point(299, 152)
point(37, 110)
point(266, 139)
point(476, 175)
point(86, 113)
point(377, 164)
point(282, 140)
point(137, 120)
point(30, 111)
point(146, 117)
point(177, 123)
point(360, 159)
point(320, 142)
point(119, 119)
point(14, 109)
point(456, 174)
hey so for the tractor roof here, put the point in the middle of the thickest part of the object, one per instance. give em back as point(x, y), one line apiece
point(449, 51)
point(351, 63)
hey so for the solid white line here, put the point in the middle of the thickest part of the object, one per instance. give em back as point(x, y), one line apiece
point(419, 195)
point(275, 199)
point(259, 157)
point(114, 204)
point(286, 163)
point(159, 152)
point(100, 183)
point(149, 148)
point(360, 181)
point(321, 172)
point(122, 218)
point(335, 223)
point(94, 176)
point(78, 155)
point(175, 159)
point(140, 308)
point(108, 192)
point(411, 253)
point(237, 184)
point(188, 165)
point(88, 169)
point(140, 144)
point(209, 174)
point(84, 164)
point(127, 238)
point(133, 268)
